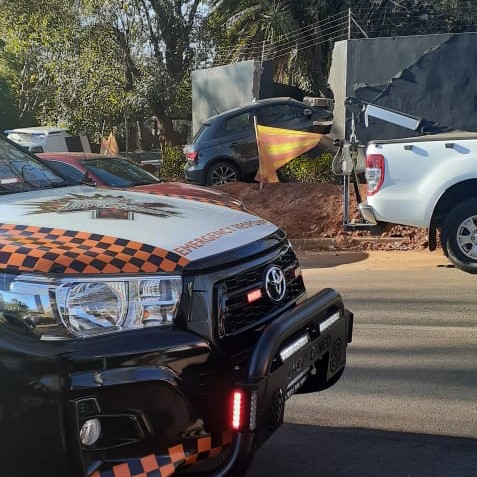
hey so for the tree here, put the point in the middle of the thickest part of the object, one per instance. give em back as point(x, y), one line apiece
point(257, 29)
point(20, 55)
point(299, 36)
point(9, 114)
point(51, 60)
point(151, 44)
point(88, 63)
point(169, 28)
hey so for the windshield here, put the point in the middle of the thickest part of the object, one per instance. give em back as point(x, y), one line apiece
point(119, 172)
point(20, 172)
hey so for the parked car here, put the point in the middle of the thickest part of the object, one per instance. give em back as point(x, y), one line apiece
point(48, 139)
point(225, 148)
point(118, 171)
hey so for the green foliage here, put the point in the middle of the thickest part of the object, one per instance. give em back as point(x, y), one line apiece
point(299, 36)
point(309, 169)
point(8, 107)
point(89, 64)
point(86, 64)
point(172, 163)
point(255, 24)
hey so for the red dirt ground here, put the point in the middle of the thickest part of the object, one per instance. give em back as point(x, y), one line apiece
point(308, 211)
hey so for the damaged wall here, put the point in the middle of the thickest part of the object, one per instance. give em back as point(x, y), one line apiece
point(430, 76)
point(218, 89)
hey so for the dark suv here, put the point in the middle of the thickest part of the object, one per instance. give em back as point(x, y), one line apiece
point(225, 148)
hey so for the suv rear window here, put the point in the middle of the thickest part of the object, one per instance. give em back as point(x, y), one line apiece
point(278, 113)
point(238, 123)
point(200, 132)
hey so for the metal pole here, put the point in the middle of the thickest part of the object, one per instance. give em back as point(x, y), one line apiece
point(126, 136)
point(345, 200)
point(360, 29)
point(349, 23)
point(258, 149)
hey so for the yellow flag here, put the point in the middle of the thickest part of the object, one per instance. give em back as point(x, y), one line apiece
point(278, 146)
point(109, 146)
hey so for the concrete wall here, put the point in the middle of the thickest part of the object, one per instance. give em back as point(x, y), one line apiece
point(218, 89)
point(430, 76)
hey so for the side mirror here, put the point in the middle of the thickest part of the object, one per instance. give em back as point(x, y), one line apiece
point(307, 112)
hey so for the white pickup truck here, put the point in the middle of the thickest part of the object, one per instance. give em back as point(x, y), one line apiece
point(48, 139)
point(428, 181)
point(431, 182)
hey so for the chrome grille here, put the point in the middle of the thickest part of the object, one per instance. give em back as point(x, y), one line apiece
point(234, 313)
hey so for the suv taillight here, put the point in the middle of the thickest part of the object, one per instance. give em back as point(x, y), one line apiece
point(192, 156)
point(374, 172)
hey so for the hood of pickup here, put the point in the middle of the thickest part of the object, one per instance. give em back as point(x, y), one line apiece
point(94, 230)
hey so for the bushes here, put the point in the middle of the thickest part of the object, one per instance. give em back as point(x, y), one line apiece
point(307, 169)
point(172, 163)
point(301, 169)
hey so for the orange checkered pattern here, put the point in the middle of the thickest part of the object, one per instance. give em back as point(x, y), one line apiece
point(166, 465)
point(48, 250)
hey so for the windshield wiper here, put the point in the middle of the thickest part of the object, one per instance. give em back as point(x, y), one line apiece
point(56, 185)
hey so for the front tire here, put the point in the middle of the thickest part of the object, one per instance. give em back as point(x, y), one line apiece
point(222, 173)
point(459, 233)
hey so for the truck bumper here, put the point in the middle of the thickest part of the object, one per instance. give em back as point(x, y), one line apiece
point(138, 393)
point(311, 338)
point(194, 173)
point(307, 343)
point(367, 212)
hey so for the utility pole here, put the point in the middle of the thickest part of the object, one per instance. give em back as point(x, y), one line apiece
point(126, 135)
point(349, 23)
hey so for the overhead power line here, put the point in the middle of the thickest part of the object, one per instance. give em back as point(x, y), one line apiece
point(288, 38)
point(366, 21)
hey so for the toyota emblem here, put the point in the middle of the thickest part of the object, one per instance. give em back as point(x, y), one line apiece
point(275, 284)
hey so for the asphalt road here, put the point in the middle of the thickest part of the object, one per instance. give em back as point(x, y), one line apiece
point(406, 405)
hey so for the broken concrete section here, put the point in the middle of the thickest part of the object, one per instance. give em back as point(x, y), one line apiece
point(429, 76)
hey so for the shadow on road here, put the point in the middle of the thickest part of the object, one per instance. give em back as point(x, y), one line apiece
point(311, 451)
point(329, 259)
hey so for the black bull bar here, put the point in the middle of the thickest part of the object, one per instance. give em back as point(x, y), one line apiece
point(269, 381)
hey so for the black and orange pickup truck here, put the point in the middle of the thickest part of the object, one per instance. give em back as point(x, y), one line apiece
point(148, 334)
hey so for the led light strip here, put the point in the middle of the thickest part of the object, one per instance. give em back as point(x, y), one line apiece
point(330, 321)
point(293, 347)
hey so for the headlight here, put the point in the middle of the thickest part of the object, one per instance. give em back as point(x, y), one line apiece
point(86, 306)
point(61, 308)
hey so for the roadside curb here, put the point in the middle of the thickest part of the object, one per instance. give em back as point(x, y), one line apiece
point(341, 243)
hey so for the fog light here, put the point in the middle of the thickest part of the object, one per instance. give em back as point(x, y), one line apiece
point(90, 432)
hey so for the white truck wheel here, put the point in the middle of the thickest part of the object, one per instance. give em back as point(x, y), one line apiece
point(460, 236)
